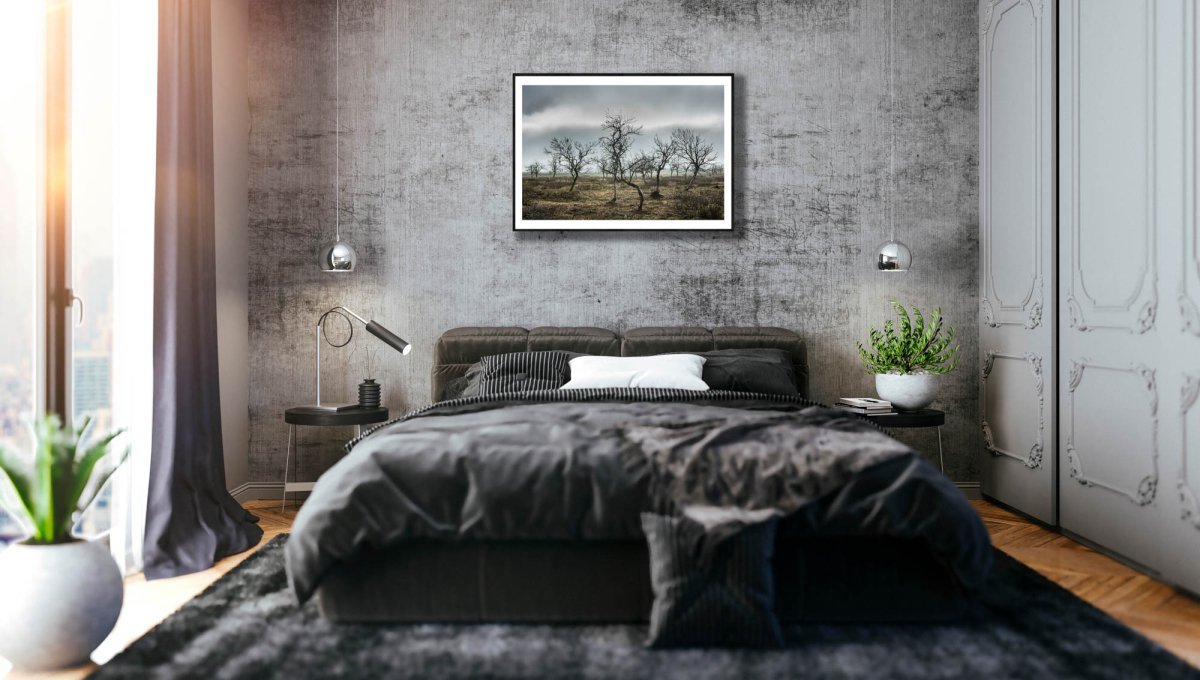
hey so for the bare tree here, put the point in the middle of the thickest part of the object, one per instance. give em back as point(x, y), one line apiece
point(620, 132)
point(697, 153)
point(644, 164)
point(716, 170)
point(535, 169)
point(574, 156)
point(554, 161)
point(663, 155)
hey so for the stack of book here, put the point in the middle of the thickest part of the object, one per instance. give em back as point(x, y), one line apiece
point(867, 406)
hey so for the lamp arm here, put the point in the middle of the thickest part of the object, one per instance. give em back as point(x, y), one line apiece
point(346, 310)
point(319, 327)
point(389, 338)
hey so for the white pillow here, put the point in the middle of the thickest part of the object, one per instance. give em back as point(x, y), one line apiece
point(677, 371)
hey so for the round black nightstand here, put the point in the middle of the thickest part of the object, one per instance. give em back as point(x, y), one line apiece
point(926, 417)
point(311, 416)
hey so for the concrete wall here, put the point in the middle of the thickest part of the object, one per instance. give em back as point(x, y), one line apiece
point(426, 111)
point(231, 130)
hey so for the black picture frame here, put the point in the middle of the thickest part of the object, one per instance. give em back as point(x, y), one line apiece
point(727, 80)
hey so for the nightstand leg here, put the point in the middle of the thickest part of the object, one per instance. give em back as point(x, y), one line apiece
point(286, 460)
point(941, 460)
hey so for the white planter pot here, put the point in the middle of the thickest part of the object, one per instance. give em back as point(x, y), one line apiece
point(59, 602)
point(907, 391)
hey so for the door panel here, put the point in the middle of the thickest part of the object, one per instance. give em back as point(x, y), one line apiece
point(1127, 351)
point(1108, 107)
point(1017, 257)
point(1180, 326)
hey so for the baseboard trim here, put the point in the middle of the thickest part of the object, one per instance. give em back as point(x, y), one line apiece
point(262, 491)
point(971, 490)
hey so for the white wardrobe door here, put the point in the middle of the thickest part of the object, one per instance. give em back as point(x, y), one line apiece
point(1180, 253)
point(1121, 221)
point(1017, 256)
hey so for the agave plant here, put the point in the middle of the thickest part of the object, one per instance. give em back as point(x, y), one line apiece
point(915, 345)
point(63, 479)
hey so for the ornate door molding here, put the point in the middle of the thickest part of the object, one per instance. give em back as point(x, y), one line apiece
point(1143, 493)
point(1138, 311)
point(1026, 309)
point(1032, 460)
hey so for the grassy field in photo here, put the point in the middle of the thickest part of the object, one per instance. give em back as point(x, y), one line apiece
point(548, 198)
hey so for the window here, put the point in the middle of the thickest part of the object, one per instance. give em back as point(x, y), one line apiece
point(21, 42)
point(77, 138)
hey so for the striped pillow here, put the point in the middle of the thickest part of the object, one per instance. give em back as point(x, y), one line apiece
point(720, 595)
point(522, 372)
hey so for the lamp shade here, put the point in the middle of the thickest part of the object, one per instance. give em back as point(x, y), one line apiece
point(894, 256)
point(394, 341)
point(338, 257)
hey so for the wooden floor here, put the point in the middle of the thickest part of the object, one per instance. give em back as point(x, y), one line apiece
point(1164, 614)
point(1169, 617)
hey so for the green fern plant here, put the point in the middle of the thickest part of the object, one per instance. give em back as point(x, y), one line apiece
point(916, 344)
point(63, 479)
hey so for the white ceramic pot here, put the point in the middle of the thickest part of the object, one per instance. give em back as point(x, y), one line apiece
point(907, 391)
point(59, 602)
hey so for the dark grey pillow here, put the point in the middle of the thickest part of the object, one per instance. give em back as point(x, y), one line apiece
point(711, 588)
point(465, 385)
point(769, 371)
point(520, 372)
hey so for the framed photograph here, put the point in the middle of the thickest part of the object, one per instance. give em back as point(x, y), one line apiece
point(622, 152)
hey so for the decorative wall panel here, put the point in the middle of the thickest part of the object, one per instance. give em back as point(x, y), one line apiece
point(1111, 270)
point(1139, 412)
point(1189, 422)
point(1017, 254)
point(1189, 287)
point(1012, 146)
point(1029, 367)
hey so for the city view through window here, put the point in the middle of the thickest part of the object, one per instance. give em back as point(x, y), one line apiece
point(18, 230)
point(91, 243)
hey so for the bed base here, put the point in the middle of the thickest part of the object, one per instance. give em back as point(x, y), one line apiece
point(839, 579)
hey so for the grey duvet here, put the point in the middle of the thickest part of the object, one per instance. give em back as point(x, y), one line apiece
point(583, 464)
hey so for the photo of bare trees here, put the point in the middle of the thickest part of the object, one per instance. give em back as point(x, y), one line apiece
point(622, 152)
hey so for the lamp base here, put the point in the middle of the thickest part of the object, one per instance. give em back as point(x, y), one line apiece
point(333, 408)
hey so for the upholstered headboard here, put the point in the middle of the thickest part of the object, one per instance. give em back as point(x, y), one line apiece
point(458, 348)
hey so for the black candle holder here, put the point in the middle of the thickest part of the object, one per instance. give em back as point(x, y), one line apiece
point(369, 394)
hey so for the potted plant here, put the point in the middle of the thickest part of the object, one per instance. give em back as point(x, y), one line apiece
point(61, 595)
point(907, 360)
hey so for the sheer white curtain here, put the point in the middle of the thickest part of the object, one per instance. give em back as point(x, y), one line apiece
point(113, 86)
point(134, 26)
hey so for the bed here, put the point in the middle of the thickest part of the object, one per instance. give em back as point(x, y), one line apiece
point(414, 526)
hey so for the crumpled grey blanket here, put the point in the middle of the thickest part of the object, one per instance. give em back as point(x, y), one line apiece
point(583, 464)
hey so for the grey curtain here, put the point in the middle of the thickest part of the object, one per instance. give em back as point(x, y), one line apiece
point(191, 520)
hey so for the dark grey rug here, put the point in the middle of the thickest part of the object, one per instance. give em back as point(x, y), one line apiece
point(247, 625)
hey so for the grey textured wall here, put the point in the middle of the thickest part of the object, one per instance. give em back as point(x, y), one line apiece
point(426, 116)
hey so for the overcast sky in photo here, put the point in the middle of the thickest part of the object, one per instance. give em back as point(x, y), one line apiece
point(577, 112)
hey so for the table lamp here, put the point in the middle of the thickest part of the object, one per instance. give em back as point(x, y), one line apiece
point(389, 338)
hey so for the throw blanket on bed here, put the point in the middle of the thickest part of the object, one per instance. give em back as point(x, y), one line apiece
point(583, 464)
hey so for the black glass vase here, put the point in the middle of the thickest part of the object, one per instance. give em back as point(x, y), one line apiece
point(368, 394)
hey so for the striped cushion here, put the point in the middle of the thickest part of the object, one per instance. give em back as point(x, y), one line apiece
point(522, 372)
point(723, 597)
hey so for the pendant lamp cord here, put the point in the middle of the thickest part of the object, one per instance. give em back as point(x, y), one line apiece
point(337, 116)
point(892, 117)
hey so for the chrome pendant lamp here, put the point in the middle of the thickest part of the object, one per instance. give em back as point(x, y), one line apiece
point(892, 255)
point(338, 256)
